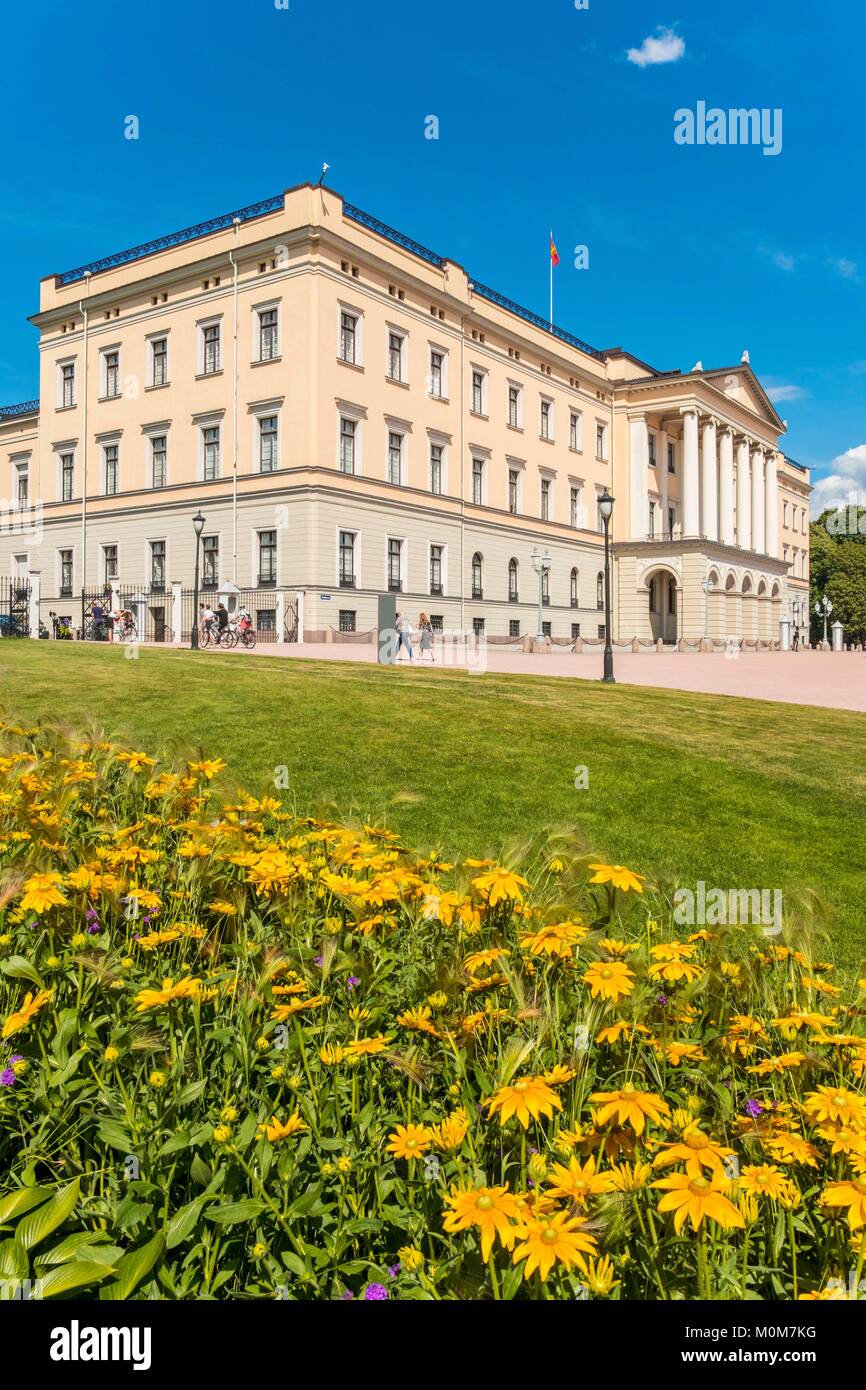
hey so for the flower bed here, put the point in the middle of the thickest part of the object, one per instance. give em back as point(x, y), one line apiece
point(251, 1054)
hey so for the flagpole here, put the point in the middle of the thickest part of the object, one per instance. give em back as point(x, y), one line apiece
point(550, 258)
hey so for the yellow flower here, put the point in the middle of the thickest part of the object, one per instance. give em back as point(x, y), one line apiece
point(136, 761)
point(111, 1054)
point(277, 1131)
point(366, 1047)
point(576, 1183)
point(474, 962)
point(693, 1197)
point(451, 1132)
point(545, 1239)
point(157, 1080)
point(330, 1054)
point(609, 980)
point(344, 1163)
point(187, 988)
point(28, 1011)
point(418, 1020)
point(221, 1133)
point(558, 939)
point(599, 1275)
point(499, 886)
point(41, 892)
point(624, 879)
point(528, 1099)
point(229, 1113)
point(850, 1193)
point(409, 1141)
point(836, 1104)
point(696, 1150)
point(208, 767)
point(628, 1105)
point(410, 1259)
point(259, 1250)
point(491, 1209)
point(763, 1180)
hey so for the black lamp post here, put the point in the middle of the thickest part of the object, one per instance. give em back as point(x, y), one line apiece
point(605, 507)
point(198, 527)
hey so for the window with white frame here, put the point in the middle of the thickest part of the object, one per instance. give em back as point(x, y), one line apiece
point(158, 460)
point(651, 445)
point(395, 565)
point(600, 440)
point(575, 430)
point(267, 557)
point(67, 476)
point(348, 439)
point(512, 581)
point(269, 443)
point(575, 589)
point(268, 334)
point(477, 575)
point(349, 349)
point(22, 484)
point(515, 406)
point(110, 468)
point(574, 505)
point(478, 482)
point(546, 493)
point(514, 490)
point(396, 446)
point(436, 469)
point(347, 559)
point(672, 457)
point(210, 557)
point(65, 565)
point(210, 439)
point(111, 372)
point(66, 385)
point(159, 361)
point(396, 364)
point(652, 518)
point(157, 564)
point(109, 563)
point(437, 577)
point(479, 391)
point(785, 510)
point(211, 357)
point(438, 374)
point(545, 427)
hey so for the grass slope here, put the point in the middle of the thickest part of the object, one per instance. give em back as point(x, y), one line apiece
point(739, 793)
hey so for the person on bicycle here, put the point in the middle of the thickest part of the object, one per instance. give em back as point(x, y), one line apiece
point(245, 622)
point(207, 617)
point(222, 617)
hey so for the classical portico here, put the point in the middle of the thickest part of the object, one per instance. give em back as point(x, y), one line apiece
point(710, 464)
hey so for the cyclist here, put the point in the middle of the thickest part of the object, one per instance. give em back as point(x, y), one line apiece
point(222, 617)
point(207, 618)
point(245, 622)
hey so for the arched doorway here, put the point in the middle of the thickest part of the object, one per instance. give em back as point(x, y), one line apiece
point(663, 603)
point(749, 609)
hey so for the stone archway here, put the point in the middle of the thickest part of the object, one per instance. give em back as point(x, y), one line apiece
point(663, 595)
point(748, 609)
point(764, 616)
point(733, 616)
point(715, 605)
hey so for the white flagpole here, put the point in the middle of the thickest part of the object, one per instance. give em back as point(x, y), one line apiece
point(550, 258)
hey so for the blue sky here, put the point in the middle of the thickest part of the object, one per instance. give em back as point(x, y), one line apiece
point(695, 252)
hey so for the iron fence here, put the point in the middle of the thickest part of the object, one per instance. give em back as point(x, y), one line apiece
point(14, 608)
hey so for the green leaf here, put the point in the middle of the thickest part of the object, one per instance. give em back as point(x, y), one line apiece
point(19, 968)
point(133, 1268)
point(199, 1171)
point(55, 1211)
point(234, 1212)
point(114, 1135)
point(75, 1275)
point(13, 1260)
point(16, 1203)
point(178, 1141)
point(184, 1221)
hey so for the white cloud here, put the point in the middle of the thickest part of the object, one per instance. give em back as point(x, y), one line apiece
point(847, 269)
point(786, 393)
point(846, 482)
point(664, 46)
point(783, 262)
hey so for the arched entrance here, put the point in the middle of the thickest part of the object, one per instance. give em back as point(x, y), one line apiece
point(663, 601)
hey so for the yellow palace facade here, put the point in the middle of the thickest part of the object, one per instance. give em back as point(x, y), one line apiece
point(354, 414)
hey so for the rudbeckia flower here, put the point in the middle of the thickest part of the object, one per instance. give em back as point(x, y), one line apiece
point(186, 988)
point(624, 879)
point(628, 1105)
point(528, 1099)
point(850, 1193)
point(499, 886)
point(609, 980)
point(41, 892)
point(696, 1150)
point(491, 1209)
point(409, 1141)
point(544, 1240)
point(28, 1011)
point(575, 1183)
point(692, 1197)
point(763, 1180)
point(835, 1104)
point(277, 1131)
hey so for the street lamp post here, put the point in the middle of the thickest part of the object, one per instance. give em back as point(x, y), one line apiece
point(605, 507)
point(198, 527)
point(541, 565)
point(824, 608)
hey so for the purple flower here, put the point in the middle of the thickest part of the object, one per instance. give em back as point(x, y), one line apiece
point(375, 1291)
point(753, 1108)
point(352, 981)
point(7, 1077)
point(317, 960)
point(347, 1293)
point(94, 929)
point(662, 999)
point(394, 1270)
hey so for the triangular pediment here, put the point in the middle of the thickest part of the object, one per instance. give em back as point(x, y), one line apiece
point(742, 386)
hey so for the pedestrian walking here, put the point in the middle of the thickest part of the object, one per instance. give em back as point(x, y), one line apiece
point(404, 635)
point(425, 628)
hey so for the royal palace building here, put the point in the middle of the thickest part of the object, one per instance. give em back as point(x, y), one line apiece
point(353, 414)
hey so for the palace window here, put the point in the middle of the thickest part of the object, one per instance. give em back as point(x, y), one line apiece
point(395, 457)
point(477, 576)
point(67, 476)
point(210, 349)
point(478, 627)
point(65, 573)
point(479, 393)
point(436, 468)
point(67, 384)
point(348, 338)
point(512, 581)
point(23, 485)
point(347, 559)
point(513, 627)
point(575, 435)
point(513, 490)
point(575, 597)
point(269, 342)
point(546, 421)
point(211, 448)
point(601, 441)
point(515, 403)
point(574, 506)
point(672, 458)
point(546, 486)
point(159, 361)
point(110, 466)
point(478, 482)
point(269, 443)
point(109, 562)
point(347, 620)
point(111, 369)
point(395, 565)
point(436, 374)
point(348, 432)
point(436, 556)
point(397, 357)
point(157, 564)
point(158, 460)
point(210, 561)
point(267, 557)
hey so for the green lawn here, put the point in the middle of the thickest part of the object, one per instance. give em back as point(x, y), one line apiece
point(739, 793)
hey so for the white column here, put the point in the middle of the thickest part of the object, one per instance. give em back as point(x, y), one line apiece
point(710, 485)
point(758, 500)
point(689, 493)
point(726, 486)
point(771, 506)
point(662, 475)
point(35, 593)
point(639, 477)
point(744, 497)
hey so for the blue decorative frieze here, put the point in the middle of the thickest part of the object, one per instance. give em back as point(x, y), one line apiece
point(164, 243)
point(496, 298)
point(391, 234)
